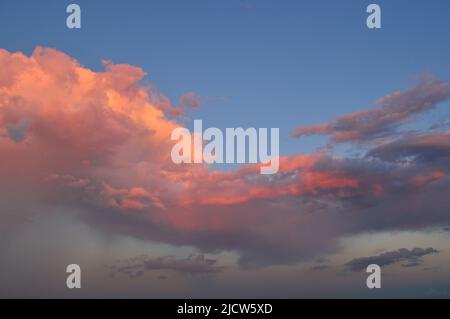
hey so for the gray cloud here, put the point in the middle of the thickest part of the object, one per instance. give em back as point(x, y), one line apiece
point(191, 265)
point(410, 257)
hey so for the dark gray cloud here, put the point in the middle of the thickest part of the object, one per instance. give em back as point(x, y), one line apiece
point(411, 258)
point(191, 265)
point(420, 147)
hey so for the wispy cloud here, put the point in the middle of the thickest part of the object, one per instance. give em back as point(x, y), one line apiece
point(395, 109)
point(410, 258)
point(190, 100)
point(191, 265)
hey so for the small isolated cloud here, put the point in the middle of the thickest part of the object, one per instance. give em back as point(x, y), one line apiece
point(421, 147)
point(99, 143)
point(190, 100)
point(192, 265)
point(411, 258)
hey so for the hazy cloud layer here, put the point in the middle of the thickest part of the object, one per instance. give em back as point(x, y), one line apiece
point(192, 265)
point(394, 109)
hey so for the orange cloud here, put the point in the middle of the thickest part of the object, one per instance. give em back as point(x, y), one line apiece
point(100, 141)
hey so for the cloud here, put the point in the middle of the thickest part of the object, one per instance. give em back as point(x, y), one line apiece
point(412, 258)
point(422, 147)
point(17, 131)
point(163, 103)
point(191, 265)
point(99, 143)
point(319, 267)
point(396, 109)
point(190, 100)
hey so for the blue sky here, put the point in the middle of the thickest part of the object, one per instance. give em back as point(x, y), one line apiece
point(275, 63)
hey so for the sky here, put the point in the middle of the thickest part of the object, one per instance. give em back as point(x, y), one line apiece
point(86, 175)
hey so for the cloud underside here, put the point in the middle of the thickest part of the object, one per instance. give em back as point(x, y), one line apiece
point(191, 265)
point(100, 142)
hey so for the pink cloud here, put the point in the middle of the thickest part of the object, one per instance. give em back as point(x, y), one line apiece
point(396, 109)
point(100, 141)
point(190, 100)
